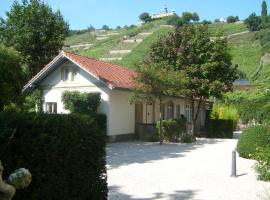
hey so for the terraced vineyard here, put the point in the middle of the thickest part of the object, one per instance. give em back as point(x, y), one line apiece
point(129, 46)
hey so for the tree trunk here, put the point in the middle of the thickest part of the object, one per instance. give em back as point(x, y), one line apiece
point(160, 122)
point(195, 113)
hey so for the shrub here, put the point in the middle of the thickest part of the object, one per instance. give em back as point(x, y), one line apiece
point(172, 129)
point(227, 112)
point(81, 103)
point(253, 137)
point(220, 128)
point(64, 153)
point(263, 165)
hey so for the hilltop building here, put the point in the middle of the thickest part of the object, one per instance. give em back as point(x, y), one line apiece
point(163, 13)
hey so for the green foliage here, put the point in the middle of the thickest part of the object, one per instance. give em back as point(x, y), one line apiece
point(187, 17)
point(174, 20)
point(254, 22)
point(205, 65)
point(253, 137)
point(105, 27)
point(232, 19)
point(145, 17)
point(11, 76)
point(81, 103)
point(250, 105)
point(35, 30)
point(262, 167)
point(205, 22)
point(223, 111)
point(264, 12)
point(33, 101)
point(172, 129)
point(64, 153)
point(220, 128)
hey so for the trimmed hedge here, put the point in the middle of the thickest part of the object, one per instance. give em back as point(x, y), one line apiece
point(257, 136)
point(172, 129)
point(220, 128)
point(64, 153)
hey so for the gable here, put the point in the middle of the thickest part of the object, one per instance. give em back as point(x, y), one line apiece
point(110, 75)
point(81, 78)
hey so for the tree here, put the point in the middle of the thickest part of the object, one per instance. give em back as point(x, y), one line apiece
point(232, 19)
point(145, 17)
point(11, 76)
point(253, 22)
point(34, 30)
point(205, 22)
point(105, 27)
point(175, 21)
point(188, 17)
point(264, 12)
point(91, 28)
point(153, 83)
point(205, 64)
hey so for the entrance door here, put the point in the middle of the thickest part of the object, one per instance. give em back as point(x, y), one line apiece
point(149, 113)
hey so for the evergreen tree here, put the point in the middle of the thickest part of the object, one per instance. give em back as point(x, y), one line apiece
point(264, 12)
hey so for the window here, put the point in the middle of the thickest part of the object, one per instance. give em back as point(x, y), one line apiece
point(68, 74)
point(51, 107)
point(188, 112)
point(170, 111)
point(178, 111)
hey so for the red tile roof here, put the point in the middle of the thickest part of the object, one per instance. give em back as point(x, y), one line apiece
point(114, 76)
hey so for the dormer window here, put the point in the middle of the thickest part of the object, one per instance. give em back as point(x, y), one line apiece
point(68, 74)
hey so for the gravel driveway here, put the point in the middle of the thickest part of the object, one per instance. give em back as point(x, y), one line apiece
point(199, 171)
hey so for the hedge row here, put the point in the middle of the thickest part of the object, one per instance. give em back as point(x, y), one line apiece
point(252, 138)
point(64, 153)
point(220, 128)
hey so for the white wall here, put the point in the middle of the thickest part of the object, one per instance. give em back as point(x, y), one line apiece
point(53, 87)
point(114, 103)
point(122, 113)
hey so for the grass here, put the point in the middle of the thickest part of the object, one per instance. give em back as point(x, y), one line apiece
point(142, 49)
point(246, 51)
point(78, 39)
point(224, 29)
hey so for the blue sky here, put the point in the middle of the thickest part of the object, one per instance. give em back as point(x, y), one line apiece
point(82, 13)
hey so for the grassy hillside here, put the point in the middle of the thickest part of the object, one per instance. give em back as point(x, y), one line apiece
point(245, 48)
point(246, 51)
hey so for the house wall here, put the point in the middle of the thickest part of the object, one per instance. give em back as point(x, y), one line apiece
point(122, 113)
point(147, 110)
point(53, 87)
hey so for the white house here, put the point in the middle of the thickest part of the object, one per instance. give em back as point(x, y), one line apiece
point(69, 71)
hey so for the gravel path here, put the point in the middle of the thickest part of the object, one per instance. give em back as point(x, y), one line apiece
point(199, 171)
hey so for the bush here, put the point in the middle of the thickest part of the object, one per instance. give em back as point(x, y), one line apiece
point(263, 165)
point(254, 22)
point(220, 128)
point(81, 103)
point(227, 112)
point(64, 153)
point(172, 129)
point(253, 137)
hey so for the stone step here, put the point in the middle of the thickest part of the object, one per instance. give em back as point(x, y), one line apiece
point(111, 59)
point(102, 38)
point(120, 51)
point(133, 41)
point(145, 33)
point(85, 45)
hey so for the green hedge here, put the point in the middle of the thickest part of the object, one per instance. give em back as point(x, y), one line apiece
point(220, 128)
point(253, 137)
point(64, 153)
point(262, 155)
point(172, 129)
